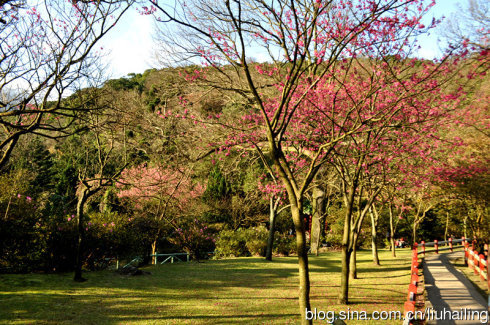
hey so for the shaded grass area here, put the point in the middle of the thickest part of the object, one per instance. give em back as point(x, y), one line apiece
point(480, 286)
point(232, 291)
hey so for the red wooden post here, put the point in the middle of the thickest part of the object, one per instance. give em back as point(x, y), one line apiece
point(476, 258)
point(423, 247)
point(409, 307)
point(415, 279)
point(412, 292)
point(482, 267)
point(471, 259)
point(450, 244)
point(436, 246)
point(415, 270)
point(488, 275)
point(415, 264)
point(415, 257)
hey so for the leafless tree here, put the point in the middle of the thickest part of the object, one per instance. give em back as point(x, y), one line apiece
point(47, 51)
point(100, 164)
point(469, 24)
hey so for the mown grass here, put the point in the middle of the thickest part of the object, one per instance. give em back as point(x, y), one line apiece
point(231, 291)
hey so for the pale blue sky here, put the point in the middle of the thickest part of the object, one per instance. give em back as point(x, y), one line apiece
point(129, 46)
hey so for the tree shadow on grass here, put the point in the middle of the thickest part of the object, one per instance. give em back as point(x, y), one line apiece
point(363, 270)
point(27, 307)
point(169, 293)
point(194, 293)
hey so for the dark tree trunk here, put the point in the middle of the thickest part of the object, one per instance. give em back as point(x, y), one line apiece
point(153, 251)
point(344, 280)
point(6, 153)
point(346, 255)
point(82, 198)
point(447, 226)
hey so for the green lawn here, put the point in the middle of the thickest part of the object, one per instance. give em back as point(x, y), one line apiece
point(232, 291)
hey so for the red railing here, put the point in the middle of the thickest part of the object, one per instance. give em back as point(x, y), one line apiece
point(475, 261)
point(437, 245)
point(409, 307)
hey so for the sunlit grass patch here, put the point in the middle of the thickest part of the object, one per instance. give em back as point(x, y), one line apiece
point(231, 291)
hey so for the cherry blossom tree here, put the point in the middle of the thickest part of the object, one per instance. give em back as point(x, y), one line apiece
point(336, 70)
point(161, 192)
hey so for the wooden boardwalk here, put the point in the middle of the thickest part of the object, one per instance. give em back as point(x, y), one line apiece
point(449, 291)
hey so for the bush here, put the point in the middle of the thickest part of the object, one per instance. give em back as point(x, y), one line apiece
point(195, 238)
point(111, 235)
point(256, 240)
point(334, 239)
point(230, 244)
point(242, 242)
point(22, 236)
point(284, 244)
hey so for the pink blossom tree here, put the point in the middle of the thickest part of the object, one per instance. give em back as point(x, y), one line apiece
point(337, 70)
point(163, 193)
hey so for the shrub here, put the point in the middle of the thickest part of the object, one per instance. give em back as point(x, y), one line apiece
point(22, 235)
point(256, 240)
point(284, 244)
point(195, 238)
point(334, 239)
point(242, 242)
point(230, 244)
point(110, 234)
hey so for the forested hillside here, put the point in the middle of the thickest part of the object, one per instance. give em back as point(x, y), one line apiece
point(170, 172)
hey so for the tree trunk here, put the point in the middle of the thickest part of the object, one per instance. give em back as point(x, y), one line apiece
point(374, 227)
point(353, 260)
point(153, 251)
point(346, 255)
point(465, 227)
point(304, 278)
point(10, 147)
point(392, 232)
point(272, 229)
point(392, 237)
point(414, 231)
point(317, 219)
point(344, 280)
point(356, 230)
point(8, 207)
point(447, 225)
point(82, 198)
